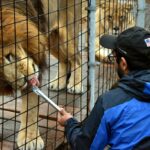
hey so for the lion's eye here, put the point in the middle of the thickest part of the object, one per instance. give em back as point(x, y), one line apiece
point(9, 57)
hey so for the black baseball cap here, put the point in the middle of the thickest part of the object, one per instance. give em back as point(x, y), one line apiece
point(133, 42)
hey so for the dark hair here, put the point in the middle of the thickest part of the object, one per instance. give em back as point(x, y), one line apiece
point(133, 63)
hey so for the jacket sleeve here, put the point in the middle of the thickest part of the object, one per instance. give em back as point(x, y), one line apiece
point(81, 135)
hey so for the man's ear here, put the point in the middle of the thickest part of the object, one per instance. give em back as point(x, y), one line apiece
point(124, 65)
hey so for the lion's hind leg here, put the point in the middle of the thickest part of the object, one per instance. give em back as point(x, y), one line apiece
point(28, 136)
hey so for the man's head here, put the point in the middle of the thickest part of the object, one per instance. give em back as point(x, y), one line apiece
point(133, 45)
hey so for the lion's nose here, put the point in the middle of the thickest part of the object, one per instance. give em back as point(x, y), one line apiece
point(116, 28)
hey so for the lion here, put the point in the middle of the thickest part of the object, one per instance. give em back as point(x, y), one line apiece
point(111, 18)
point(63, 18)
point(27, 32)
point(22, 59)
point(25, 37)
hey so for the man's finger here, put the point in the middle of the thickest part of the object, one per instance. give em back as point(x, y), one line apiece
point(62, 111)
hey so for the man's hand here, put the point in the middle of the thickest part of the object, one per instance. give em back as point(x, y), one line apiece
point(63, 116)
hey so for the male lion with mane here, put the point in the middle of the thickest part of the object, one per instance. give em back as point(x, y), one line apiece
point(22, 59)
point(27, 30)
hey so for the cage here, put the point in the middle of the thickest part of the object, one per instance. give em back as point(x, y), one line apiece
point(46, 43)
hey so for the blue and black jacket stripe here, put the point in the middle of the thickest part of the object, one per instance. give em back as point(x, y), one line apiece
point(120, 118)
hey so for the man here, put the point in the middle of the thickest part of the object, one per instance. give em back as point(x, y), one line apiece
point(121, 117)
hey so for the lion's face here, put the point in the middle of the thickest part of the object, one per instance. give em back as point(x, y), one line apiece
point(117, 16)
point(16, 67)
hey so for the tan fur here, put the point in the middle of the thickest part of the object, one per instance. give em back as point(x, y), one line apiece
point(111, 18)
point(21, 57)
point(63, 26)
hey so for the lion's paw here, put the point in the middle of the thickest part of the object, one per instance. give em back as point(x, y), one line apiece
point(29, 143)
point(57, 85)
point(75, 89)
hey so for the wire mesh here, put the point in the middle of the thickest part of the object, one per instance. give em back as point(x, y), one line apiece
point(47, 41)
point(147, 25)
point(112, 18)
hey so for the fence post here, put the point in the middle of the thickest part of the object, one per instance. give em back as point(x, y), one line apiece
point(141, 13)
point(91, 25)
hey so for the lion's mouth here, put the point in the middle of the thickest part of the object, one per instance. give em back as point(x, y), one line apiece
point(32, 81)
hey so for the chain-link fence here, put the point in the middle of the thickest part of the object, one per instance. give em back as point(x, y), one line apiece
point(47, 43)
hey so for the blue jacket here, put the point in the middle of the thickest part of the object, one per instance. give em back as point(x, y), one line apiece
point(120, 118)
